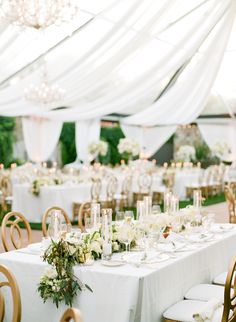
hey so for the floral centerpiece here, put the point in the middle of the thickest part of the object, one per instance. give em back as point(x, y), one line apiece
point(98, 148)
point(186, 153)
point(128, 148)
point(44, 181)
point(59, 282)
point(222, 151)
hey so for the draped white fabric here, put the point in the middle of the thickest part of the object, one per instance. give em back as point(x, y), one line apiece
point(102, 82)
point(184, 102)
point(150, 139)
point(86, 132)
point(41, 137)
point(220, 133)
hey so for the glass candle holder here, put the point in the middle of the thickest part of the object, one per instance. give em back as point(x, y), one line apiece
point(197, 199)
point(167, 201)
point(140, 210)
point(147, 205)
point(95, 215)
point(107, 233)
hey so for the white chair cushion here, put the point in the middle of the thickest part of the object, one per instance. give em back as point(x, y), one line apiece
point(205, 292)
point(184, 310)
point(220, 279)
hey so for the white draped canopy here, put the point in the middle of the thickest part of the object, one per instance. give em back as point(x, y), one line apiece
point(154, 62)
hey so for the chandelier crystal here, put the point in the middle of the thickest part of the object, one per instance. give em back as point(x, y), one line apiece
point(45, 93)
point(38, 14)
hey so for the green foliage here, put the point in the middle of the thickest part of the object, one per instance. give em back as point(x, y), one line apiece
point(7, 125)
point(67, 141)
point(111, 135)
point(204, 155)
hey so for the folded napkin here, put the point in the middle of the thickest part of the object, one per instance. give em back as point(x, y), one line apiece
point(175, 237)
point(207, 312)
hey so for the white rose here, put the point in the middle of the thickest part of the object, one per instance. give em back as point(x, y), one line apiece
point(50, 272)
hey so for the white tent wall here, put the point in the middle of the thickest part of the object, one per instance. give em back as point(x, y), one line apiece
point(150, 139)
point(41, 137)
point(86, 132)
point(219, 133)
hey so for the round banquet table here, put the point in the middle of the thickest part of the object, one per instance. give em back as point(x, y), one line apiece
point(33, 207)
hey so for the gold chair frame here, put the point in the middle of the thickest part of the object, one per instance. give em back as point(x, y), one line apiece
point(47, 214)
point(14, 226)
point(71, 314)
point(84, 211)
point(229, 311)
point(12, 284)
point(229, 196)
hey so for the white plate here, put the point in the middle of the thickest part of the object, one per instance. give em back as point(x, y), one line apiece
point(200, 238)
point(171, 247)
point(222, 228)
point(159, 258)
point(112, 263)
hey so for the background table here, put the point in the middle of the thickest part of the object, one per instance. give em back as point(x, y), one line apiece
point(126, 293)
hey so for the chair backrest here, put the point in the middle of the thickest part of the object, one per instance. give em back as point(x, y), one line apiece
point(84, 212)
point(112, 186)
point(47, 215)
point(229, 196)
point(95, 189)
point(126, 186)
point(10, 224)
point(10, 282)
point(229, 313)
point(71, 314)
point(144, 182)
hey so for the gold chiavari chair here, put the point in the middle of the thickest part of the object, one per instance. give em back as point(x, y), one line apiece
point(10, 281)
point(84, 213)
point(230, 199)
point(95, 195)
point(122, 200)
point(10, 224)
point(184, 310)
point(6, 189)
point(144, 184)
point(71, 314)
point(168, 181)
point(47, 215)
point(111, 188)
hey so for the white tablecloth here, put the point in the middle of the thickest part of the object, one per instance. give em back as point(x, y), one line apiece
point(126, 293)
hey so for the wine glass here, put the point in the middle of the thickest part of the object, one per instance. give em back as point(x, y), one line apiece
point(120, 216)
point(129, 216)
point(156, 209)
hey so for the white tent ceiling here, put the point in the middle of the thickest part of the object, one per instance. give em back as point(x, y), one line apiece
point(113, 48)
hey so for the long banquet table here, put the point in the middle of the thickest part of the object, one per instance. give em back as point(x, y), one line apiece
point(126, 293)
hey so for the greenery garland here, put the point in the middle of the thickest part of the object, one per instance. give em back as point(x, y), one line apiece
point(58, 282)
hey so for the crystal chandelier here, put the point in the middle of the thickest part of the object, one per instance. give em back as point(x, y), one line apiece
point(45, 93)
point(38, 14)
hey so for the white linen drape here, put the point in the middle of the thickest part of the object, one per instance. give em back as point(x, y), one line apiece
point(185, 101)
point(220, 133)
point(150, 139)
point(86, 132)
point(41, 137)
point(118, 96)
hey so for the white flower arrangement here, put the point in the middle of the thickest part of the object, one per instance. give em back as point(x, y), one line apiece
point(221, 150)
point(128, 146)
point(98, 148)
point(186, 153)
point(43, 181)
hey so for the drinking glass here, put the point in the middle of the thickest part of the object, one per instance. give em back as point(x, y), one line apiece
point(140, 210)
point(129, 215)
point(120, 216)
point(156, 209)
point(54, 226)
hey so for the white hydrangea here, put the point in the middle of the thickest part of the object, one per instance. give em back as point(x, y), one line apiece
point(221, 150)
point(50, 272)
point(186, 153)
point(96, 148)
point(129, 146)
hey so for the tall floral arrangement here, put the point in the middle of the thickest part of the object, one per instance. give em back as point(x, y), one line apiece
point(98, 148)
point(128, 148)
point(186, 153)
